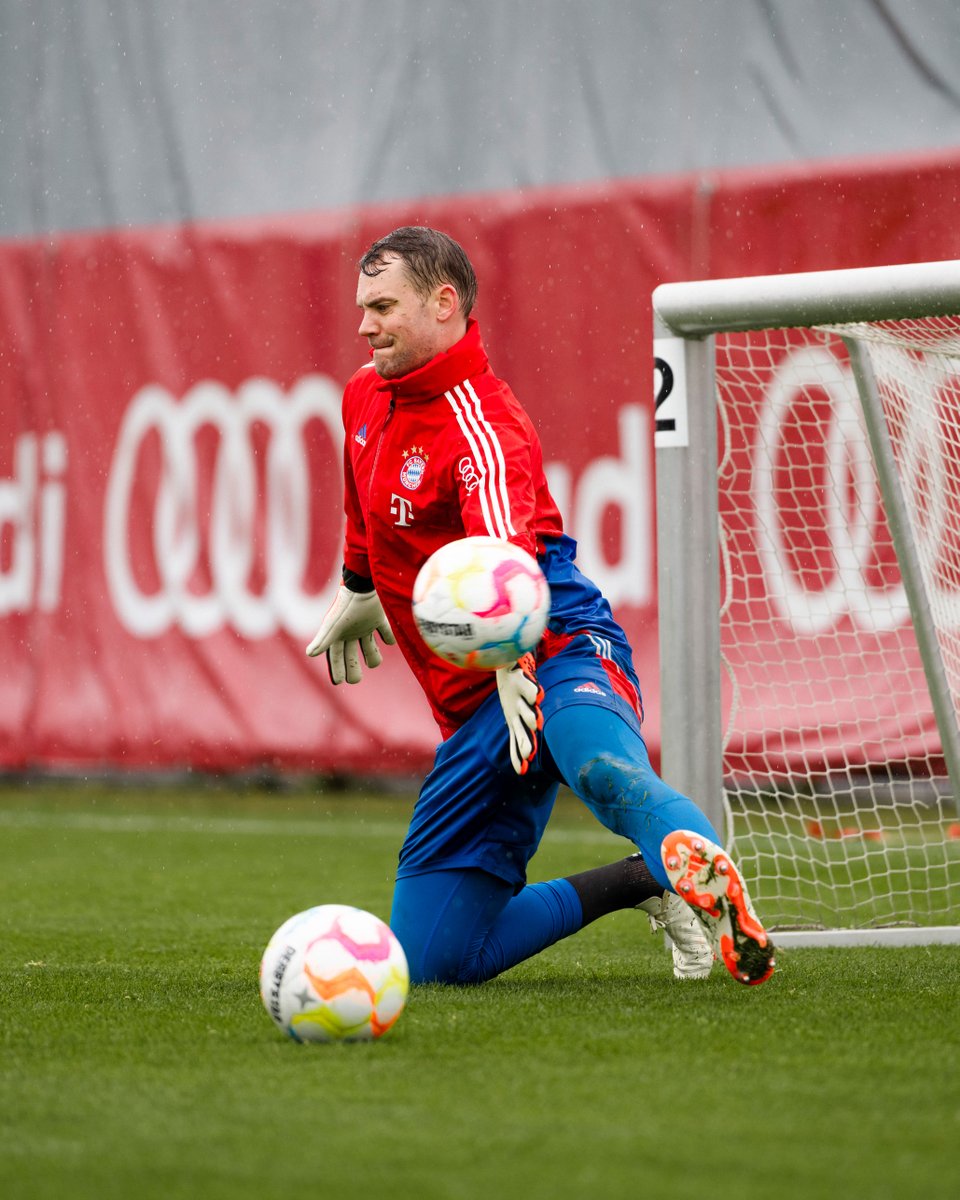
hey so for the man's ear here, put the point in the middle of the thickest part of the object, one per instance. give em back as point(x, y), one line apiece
point(447, 302)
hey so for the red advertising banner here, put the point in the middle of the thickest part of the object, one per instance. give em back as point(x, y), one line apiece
point(170, 480)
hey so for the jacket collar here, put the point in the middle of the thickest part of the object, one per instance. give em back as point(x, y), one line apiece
point(464, 359)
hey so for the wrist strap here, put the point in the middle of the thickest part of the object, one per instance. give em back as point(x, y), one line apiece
point(356, 583)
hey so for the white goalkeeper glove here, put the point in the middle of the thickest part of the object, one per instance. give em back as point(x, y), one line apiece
point(347, 630)
point(520, 696)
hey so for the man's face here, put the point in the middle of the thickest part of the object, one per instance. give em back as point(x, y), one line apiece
point(403, 330)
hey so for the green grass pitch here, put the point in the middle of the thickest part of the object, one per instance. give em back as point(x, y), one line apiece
point(137, 1061)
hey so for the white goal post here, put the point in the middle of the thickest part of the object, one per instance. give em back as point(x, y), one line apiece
point(808, 547)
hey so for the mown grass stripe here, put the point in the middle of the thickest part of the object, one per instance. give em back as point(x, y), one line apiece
point(322, 827)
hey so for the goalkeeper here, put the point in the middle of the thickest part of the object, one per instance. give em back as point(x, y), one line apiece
point(438, 448)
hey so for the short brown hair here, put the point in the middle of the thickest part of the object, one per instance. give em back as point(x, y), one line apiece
point(430, 257)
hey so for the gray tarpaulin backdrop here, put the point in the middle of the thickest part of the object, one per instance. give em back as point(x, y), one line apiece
point(119, 112)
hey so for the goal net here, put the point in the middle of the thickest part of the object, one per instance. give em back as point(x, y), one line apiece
point(808, 495)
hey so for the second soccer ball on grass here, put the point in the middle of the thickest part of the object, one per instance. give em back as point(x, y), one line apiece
point(334, 973)
point(481, 603)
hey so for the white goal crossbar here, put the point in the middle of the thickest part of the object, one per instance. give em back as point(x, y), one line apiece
point(718, 375)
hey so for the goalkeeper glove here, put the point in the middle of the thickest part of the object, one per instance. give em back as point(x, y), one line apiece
point(347, 630)
point(520, 696)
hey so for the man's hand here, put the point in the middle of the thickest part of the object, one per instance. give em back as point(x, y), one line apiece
point(520, 696)
point(347, 629)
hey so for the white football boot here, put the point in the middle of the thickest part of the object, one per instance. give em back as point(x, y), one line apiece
point(692, 956)
point(704, 876)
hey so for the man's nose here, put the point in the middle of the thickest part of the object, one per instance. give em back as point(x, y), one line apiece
point(368, 324)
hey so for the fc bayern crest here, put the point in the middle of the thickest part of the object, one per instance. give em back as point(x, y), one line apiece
point(415, 463)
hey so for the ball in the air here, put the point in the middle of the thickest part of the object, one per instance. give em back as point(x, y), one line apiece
point(481, 602)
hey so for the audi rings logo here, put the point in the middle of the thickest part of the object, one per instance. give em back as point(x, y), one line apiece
point(227, 600)
point(845, 522)
point(468, 473)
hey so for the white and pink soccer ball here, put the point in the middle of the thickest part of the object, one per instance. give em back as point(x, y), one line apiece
point(481, 603)
point(334, 973)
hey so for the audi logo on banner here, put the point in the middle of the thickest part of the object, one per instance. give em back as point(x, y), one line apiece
point(179, 532)
point(848, 519)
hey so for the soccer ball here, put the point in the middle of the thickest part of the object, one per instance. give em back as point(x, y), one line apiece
point(481, 602)
point(334, 973)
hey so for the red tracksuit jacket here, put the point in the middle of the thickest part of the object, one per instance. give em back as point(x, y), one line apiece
point(442, 453)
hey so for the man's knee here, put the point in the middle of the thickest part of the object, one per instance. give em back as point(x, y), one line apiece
point(438, 964)
point(444, 956)
point(610, 779)
point(442, 920)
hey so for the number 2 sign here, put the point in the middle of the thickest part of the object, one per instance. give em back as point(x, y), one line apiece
point(670, 392)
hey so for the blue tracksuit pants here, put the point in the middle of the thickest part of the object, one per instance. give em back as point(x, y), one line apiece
point(461, 908)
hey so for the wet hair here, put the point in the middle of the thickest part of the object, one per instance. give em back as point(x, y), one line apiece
point(430, 258)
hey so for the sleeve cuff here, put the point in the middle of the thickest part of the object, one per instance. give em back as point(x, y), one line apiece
point(356, 583)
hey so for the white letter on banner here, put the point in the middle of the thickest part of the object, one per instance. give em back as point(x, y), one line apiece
point(624, 483)
point(17, 508)
point(53, 521)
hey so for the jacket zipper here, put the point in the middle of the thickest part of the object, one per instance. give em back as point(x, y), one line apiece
point(376, 457)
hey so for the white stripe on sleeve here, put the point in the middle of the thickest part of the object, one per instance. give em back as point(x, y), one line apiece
point(455, 404)
point(499, 477)
point(483, 442)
